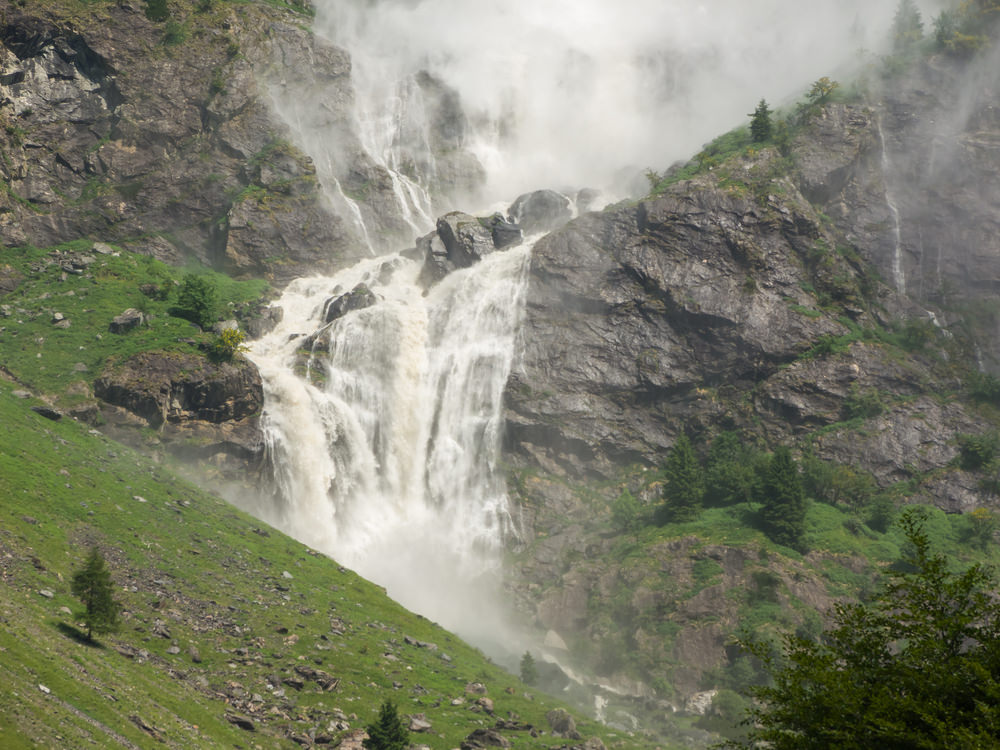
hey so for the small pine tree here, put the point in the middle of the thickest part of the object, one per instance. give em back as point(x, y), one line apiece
point(92, 585)
point(761, 127)
point(388, 732)
point(907, 26)
point(683, 488)
point(529, 671)
point(784, 507)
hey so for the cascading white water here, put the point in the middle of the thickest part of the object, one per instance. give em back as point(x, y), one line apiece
point(898, 273)
point(384, 426)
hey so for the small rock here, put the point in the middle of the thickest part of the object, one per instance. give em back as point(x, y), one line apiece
point(476, 688)
point(46, 593)
point(194, 654)
point(56, 317)
point(43, 688)
point(139, 498)
point(286, 574)
point(126, 321)
point(20, 394)
point(561, 722)
point(47, 412)
point(103, 249)
point(419, 723)
point(65, 611)
point(241, 721)
point(173, 650)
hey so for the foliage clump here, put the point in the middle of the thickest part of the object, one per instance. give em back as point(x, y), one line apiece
point(228, 345)
point(92, 585)
point(918, 667)
point(197, 301)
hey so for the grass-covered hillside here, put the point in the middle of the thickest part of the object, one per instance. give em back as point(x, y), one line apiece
point(232, 635)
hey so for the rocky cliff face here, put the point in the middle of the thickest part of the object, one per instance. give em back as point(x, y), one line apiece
point(743, 299)
point(165, 138)
point(910, 179)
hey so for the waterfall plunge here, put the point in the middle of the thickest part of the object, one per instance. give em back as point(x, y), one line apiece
point(384, 434)
point(383, 427)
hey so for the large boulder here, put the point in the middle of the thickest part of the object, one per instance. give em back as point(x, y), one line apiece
point(358, 298)
point(201, 408)
point(541, 211)
point(466, 239)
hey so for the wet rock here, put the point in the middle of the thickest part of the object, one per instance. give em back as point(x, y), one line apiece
point(504, 233)
point(465, 238)
point(358, 298)
point(541, 211)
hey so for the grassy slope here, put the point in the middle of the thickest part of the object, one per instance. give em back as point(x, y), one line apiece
point(190, 565)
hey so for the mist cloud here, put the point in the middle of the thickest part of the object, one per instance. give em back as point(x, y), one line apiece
point(569, 92)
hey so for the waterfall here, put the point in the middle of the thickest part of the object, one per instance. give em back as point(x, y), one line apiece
point(898, 273)
point(383, 426)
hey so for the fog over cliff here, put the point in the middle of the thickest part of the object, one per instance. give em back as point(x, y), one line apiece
point(576, 92)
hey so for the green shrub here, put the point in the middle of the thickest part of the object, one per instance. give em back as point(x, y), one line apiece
point(984, 387)
point(976, 451)
point(197, 301)
point(863, 404)
point(157, 10)
point(227, 345)
point(174, 33)
point(626, 513)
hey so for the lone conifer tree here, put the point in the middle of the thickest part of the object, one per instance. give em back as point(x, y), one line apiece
point(761, 127)
point(92, 585)
point(388, 732)
point(784, 506)
point(683, 488)
point(529, 672)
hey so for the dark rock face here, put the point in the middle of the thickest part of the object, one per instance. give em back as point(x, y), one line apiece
point(630, 314)
point(541, 211)
point(186, 396)
point(462, 240)
point(107, 139)
point(466, 240)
